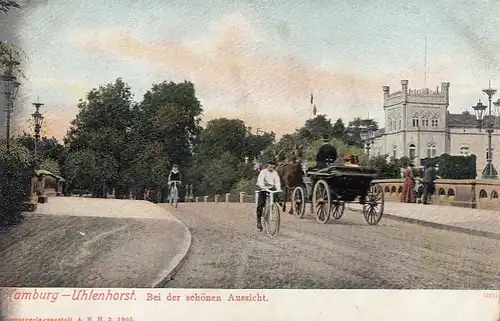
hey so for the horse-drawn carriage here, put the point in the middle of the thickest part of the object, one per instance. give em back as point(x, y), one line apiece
point(327, 190)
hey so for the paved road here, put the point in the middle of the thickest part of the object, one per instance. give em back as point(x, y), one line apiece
point(73, 251)
point(228, 252)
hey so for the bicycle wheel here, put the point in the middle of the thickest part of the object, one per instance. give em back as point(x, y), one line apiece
point(176, 197)
point(272, 220)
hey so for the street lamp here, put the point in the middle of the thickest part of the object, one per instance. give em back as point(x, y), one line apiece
point(38, 121)
point(10, 87)
point(367, 135)
point(487, 121)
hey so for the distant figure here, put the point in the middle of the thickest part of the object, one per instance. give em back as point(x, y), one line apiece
point(428, 181)
point(407, 195)
point(327, 154)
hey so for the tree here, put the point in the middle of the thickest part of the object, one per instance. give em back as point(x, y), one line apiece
point(353, 132)
point(338, 129)
point(50, 165)
point(47, 148)
point(220, 174)
point(87, 169)
point(99, 131)
point(316, 127)
point(170, 113)
point(224, 135)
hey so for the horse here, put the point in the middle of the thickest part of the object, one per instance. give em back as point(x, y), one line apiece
point(290, 172)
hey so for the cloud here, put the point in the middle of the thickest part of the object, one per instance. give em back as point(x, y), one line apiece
point(229, 61)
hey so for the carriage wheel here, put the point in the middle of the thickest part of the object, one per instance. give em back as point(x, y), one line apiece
point(299, 201)
point(321, 201)
point(337, 209)
point(373, 207)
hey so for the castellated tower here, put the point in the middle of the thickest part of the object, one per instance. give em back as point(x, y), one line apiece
point(413, 119)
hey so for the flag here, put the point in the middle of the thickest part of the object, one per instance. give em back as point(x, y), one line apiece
point(315, 110)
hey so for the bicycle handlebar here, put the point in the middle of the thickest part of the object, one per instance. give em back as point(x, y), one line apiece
point(269, 191)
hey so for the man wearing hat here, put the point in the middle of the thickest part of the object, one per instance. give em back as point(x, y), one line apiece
point(268, 180)
point(327, 154)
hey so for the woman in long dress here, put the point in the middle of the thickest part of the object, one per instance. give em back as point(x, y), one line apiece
point(407, 195)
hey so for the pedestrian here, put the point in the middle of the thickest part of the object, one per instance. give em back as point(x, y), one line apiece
point(428, 181)
point(407, 195)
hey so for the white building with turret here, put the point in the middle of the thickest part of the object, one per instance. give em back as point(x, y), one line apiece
point(419, 125)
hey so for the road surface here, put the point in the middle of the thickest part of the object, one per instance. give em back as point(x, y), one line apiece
point(228, 252)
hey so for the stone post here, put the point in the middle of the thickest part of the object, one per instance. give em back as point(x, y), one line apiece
point(242, 197)
point(227, 197)
point(256, 197)
point(216, 198)
point(197, 199)
point(205, 199)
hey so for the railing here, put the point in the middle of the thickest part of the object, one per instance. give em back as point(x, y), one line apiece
point(480, 194)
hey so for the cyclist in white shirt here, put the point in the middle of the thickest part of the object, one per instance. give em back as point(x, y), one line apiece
point(268, 180)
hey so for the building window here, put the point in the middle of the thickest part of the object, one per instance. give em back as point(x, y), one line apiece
point(413, 151)
point(434, 122)
point(394, 151)
point(425, 122)
point(464, 150)
point(431, 150)
point(390, 123)
point(400, 124)
point(415, 121)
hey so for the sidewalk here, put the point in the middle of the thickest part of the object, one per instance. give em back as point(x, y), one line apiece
point(86, 242)
point(472, 221)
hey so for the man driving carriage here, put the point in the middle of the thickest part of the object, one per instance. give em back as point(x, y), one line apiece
point(327, 154)
point(268, 180)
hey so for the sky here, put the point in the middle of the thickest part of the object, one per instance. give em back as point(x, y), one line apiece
point(257, 60)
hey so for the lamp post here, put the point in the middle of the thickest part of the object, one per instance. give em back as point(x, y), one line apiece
point(486, 121)
point(38, 121)
point(367, 134)
point(10, 87)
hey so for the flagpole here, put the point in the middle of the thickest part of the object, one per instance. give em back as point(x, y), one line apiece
point(425, 64)
point(311, 107)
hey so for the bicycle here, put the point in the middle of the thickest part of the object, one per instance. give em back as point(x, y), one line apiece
point(174, 194)
point(271, 210)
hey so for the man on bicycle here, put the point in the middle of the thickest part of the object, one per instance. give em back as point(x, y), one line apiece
point(174, 175)
point(268, 180)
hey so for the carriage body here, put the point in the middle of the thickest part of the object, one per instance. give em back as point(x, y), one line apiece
point(327, 190)
point(345, 183)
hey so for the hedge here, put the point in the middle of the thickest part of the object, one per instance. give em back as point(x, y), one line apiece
point(453, 167)
point(16, 172)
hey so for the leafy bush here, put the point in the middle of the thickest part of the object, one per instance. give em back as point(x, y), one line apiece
point(387, 170)
point(16, 171)
point(453, 167)
point(457, 167)
point(245, 185)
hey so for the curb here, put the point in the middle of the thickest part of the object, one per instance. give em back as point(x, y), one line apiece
point(438, 226)
point(441, 226)
point(178, 260)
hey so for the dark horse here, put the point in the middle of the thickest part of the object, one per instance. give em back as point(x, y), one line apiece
point(290, 173)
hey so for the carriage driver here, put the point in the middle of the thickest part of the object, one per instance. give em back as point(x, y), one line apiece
point(268, 180)
point(327, 154)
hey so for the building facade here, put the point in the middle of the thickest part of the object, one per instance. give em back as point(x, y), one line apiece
point(419, 125)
